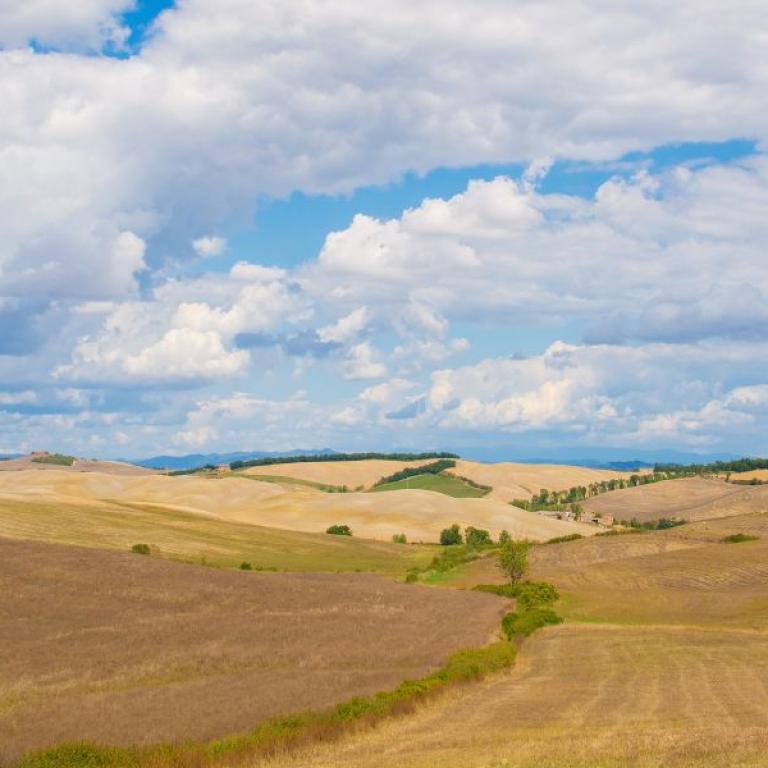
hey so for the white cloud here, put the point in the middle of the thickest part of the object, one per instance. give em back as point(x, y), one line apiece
point(362, 363)
point(346, 328)
point(70, 25)
point(209, 246)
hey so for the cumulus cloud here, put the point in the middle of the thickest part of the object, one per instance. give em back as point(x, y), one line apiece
point(634, 262)
point(362, 363)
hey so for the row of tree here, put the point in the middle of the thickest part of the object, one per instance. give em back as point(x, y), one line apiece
point(435, 468)
point(268, 460)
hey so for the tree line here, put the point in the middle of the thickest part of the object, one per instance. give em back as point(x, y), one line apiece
point(268, 460)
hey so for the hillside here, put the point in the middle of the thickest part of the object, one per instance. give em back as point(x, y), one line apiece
point(79, 465)
point(520, 481)
point(243, 499)
point(690, 498)
point(662, 661)
point(174, 652)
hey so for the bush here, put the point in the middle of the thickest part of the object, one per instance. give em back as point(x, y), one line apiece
point(477, 537)
point(523, 624)
point(141, 549)
point(411, 577)
point(738, 538)
point(529, 594)
point(399, 538)
point(450, 536)
point(245, 566)
point(504, 537)
point(339, 530)
point(535, 594)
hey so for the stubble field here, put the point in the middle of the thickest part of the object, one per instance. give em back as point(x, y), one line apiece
point(172, 652)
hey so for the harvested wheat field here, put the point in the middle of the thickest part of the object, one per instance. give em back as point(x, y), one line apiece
point(662, 663)
point(176, 651)
point(520, 481)
point(354, 474)
point(588, 697)
point(234, 498)
point(761, 475)
point(689, 498)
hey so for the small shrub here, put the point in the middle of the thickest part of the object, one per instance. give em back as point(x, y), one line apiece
point(141, 549)
point(246, 566)
point(399, 538)
point(411, 577)
point(523, 624)
point(738, 538)
point(450, 536)
point(504, 537)
point(339, 530)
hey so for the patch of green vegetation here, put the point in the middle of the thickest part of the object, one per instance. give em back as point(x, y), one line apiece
point(662, 524)
point(141, 549)
point(450, 485)
point(523, 624)
point(738, 538)
point(59, 459)
point(529, 594)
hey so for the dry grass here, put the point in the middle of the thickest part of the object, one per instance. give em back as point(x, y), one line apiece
point(589, 696)
point(353, 474)
point(760, 475)
point(174, 652)
point(663, 663)
point(419, 514)
point(79, 465)
point(690, 498)
point(184, 536)
point(520, 481)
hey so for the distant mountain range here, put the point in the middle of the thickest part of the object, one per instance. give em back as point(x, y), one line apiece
point(619, 459)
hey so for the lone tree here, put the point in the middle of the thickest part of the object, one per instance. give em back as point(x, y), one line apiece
point(513, 560)
point(451, 535)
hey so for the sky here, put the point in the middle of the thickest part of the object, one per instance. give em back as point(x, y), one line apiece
point(509, 228)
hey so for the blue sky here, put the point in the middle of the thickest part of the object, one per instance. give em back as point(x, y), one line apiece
point(243, 225)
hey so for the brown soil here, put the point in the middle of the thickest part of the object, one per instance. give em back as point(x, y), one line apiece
point(122, 648)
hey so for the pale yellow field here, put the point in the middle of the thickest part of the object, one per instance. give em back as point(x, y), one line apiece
point(520, 481)
point(755, 474)
point(509, 481)
point(419, 514)
point(353, 474)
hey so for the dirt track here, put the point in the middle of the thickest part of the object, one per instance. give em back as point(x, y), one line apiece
point(173, 652)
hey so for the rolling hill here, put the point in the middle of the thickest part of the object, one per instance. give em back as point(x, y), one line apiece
point(690, 498)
